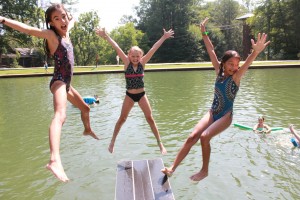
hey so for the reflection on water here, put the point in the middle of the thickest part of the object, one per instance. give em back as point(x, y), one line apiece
point(243, 165)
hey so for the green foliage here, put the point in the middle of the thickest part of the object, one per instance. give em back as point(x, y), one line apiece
point(25, 11)
point(158, 14)
point(85, 41)
point(223, 16)
point(126, 36)
point(280, 19)
point(69, 5)
point(15, 61)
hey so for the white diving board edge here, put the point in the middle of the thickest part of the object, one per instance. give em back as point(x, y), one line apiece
point(142, 180)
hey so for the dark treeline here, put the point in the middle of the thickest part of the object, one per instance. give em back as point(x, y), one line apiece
point(278, 18)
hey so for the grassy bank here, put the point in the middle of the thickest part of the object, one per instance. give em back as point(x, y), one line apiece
point(102, 68)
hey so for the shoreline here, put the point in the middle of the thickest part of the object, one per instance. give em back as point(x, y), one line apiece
point(101, 68)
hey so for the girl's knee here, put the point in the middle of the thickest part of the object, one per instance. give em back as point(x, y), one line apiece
point(122, 119)
point(85, 108)
point(205, 138)
point(60, 117)
point(149, 119)
point(192, 139)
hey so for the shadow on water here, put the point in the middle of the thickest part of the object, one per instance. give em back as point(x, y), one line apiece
point(243, 165)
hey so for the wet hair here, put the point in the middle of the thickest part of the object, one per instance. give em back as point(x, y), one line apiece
point(261, 117)
point(227, 55)
point(136, 48)
point(97, 98)
point(48, 15)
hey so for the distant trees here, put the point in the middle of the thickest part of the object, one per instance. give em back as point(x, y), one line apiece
point(85, 41)
point(26, 12)
point(278, 18)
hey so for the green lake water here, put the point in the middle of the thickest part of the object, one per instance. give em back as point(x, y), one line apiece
point(243, 165)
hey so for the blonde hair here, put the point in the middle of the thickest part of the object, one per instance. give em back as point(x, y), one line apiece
point(261, 117)
point(136, 48)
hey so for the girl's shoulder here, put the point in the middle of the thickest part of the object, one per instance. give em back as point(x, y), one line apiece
point(52, 36)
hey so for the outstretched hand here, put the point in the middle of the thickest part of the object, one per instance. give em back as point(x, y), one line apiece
point(261, 43)
point(168, 34)
point(101, 32)
point(203, 23)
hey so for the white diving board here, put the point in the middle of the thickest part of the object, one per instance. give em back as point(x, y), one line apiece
point(142, 180)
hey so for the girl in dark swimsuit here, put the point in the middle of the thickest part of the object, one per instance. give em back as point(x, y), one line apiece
point(219, 117)
point(58, 45)
point(134, 64)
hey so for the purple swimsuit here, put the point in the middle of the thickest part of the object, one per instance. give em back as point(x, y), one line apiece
point(64, 63)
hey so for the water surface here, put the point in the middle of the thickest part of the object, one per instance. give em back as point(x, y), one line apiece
point(243, 165)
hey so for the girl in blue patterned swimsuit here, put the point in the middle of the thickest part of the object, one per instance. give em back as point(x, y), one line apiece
point(134, 64)
point(219, 117)
point(58, 45)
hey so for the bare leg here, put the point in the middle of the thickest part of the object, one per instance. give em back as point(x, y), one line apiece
point(75, 98)
point(214, 129)
point(191, 140)
point(146, 108)
point(58, 90)
point(127, 106)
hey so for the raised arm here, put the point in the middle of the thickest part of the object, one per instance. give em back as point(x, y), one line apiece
point(257, 47)
point(102, 33)
point(209, 46)
point(166, 35)
point(294, 132)
point(29, 30)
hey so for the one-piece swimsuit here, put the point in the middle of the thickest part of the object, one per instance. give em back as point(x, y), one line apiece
point(225, 92)
point(64, 63)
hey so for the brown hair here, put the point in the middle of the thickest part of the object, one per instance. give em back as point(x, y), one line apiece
point(48, 14)
point(227, 55)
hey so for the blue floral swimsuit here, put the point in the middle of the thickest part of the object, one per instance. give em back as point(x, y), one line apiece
point(225, 92)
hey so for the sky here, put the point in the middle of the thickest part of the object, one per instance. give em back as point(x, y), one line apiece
point(109, 11)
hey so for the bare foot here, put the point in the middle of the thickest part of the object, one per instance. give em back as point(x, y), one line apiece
point(163, 150)
point(111, 147)
point(199, 176)
point(167, 171)
point(91, 133)
point(57, 170)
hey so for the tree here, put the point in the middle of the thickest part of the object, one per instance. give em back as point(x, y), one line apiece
point(126, 36)
point(69, 5)
point(86, 42)
point(154, 15)
point(25, 11)
point(224, 15)
point(280, 20)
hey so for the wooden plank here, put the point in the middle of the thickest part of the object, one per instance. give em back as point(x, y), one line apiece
point(142, 180)
point(160, 182)
point(124, 182)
